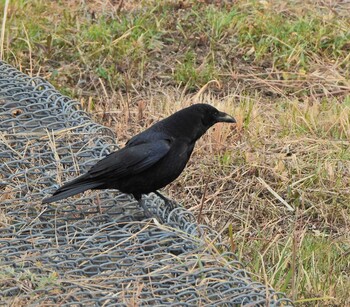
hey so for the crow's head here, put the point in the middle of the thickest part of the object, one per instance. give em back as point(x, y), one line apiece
point(192, 122)
point(210, 115)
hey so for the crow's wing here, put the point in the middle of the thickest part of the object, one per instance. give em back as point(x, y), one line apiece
point(130, 160)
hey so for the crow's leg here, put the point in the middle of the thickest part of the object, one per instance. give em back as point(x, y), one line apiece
point(142, 204)
point(149, 214)
point(168, 202)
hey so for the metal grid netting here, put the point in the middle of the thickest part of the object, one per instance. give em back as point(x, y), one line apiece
point(97, 248)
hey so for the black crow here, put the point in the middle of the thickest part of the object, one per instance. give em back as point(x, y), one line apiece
point(151, 159)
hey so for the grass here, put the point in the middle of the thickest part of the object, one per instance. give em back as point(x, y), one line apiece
point(282, 69)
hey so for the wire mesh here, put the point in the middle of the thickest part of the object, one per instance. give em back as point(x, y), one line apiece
point(96, 249)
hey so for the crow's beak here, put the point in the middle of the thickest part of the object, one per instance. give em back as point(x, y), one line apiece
point(225, 118)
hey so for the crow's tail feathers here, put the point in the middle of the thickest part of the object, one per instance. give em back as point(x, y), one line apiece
point(71, 188)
